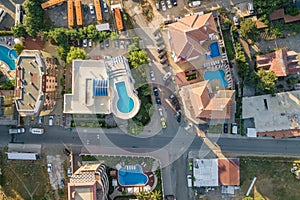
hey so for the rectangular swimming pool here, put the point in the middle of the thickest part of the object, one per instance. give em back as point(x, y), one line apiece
point(214, 50)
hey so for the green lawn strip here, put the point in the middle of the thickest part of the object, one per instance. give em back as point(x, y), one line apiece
point(215, 128)
point(274, 179)
point(228, 45)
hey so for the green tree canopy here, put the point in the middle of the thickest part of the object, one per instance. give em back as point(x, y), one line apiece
point(137, 58)
point(267, 80)
point(19, 30)
point(114, 36)
point(248, 29)
point(59, 36)
point(76, 53)
point(34, 17)
point(19, 48)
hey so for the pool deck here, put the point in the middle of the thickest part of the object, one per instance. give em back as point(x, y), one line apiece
point(5, 69)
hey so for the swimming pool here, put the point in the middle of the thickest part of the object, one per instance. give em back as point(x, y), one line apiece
point(125, 103)
point(214, 50)
point(8, 56)
point(216, 75)
point(132, 175)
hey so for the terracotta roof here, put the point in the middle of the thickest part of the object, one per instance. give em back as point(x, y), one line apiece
point(281, 134)
point(229, 171)
point(258, 23)
point(289, 18)
point(186, 34)
point(282, 62)
point(277, 14)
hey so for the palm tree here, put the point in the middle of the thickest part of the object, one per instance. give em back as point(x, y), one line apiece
point(142, 195)
point(155, 195)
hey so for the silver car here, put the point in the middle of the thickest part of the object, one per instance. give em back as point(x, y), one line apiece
point(169, 3)
point(163, 5)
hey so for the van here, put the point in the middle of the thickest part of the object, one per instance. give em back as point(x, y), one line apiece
point(250, 8)
point(189, 180)
point(234, 128)
point(38, 131)
point(50, 120)
point(18, 130)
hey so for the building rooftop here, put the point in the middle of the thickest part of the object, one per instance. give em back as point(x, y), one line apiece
point(229, 171)
point(205, 172)
point(30, 81)
point(90, 88)
point(276, 113)
point(186, 35)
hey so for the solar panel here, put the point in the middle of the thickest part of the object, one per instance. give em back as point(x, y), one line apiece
point(100, 87)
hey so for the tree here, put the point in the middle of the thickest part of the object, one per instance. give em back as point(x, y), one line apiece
point(59, 36)
point(34, 17)
point(19, 30)
point(137, 58)
point(76, 53)
point(19, 48)
point(267, 80)
point(227, 23)
point(247, 198)
point(156, 195)
point(62, 52)
point(248, 29)
point(114, 36)
point(134, 127)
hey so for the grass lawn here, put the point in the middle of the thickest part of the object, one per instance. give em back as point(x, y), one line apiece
point(215, 128)
point(274, 179)
point(25, 179)
point(229, 45)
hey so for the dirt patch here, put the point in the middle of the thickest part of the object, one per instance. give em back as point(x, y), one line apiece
point(34, 43)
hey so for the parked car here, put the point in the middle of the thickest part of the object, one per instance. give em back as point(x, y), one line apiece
point(41, 119)
point(164, 61)
point(116, 43)
point(177, 18)
point(49, 167)
point(84, 43)
point(69, 173)
point(170, 197)
point(163, 5)
point(67, 152)
point(189, 180)
point(190, 125)
point(157, 5)
point(51, 120)
point(157, 36)
point(152, 77)
point(122, 44)
point(107, 43)
point(62, 183)
point(225, 128)
point(37, 131)
point(236, 20)
point(163, 122)
point(101, 45)
point(92, 11)
point(174, 2)
point(18, 130)
point(162, 55)
point(169, 3)
point(155, 91)
point(177, 107)
point(160, 42)
point(105, 8)
point(194, 4)
point(90, 43)
point(160, 111)
point(250, 8)
point(178, 117)
point(190, 166)
point(169, 21)
point(161, 47)
point(160, 50)
point(158, 101)
point(167, 76)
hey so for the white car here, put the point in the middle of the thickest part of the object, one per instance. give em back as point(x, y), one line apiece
point(51, 120)
point(194, 4)
point(90, 43)
point(157, 5)
point(69, 173)
point(163, 5)
point(49, 167)
point(92, 11)
point(169, 3)
point(152, 76)
point(105, 7)
point(167, 76)
point(189, 180)
point(190, 125)
point(160, 111)
point(84, 43)
point(236, 21)
point(122, 44)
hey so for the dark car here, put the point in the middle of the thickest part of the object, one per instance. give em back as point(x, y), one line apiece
point(161, 55)
point(177, 107)
point(164, 60)
point(178, 117)
point(62, 183)
point(166, 22)
point(101, 45)
point(174, 2)
point(155, 91)
point(107, 43)
point(170, 197)
point(116, 43)
point(174, 101)
point(160, 50)
point(225, 128)
point(158, 101)
point(67, 152)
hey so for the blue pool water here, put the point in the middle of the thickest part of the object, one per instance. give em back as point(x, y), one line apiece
point(214, 50)
point(8, 56)
point(216, 75)
point(131, 177)
point(125, 103)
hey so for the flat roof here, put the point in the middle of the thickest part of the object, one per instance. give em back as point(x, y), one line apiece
point(82, 100)
point(273, 113)
point(30, 80)
point(205, 172)
point(79, 15)
point(98, 10)
point(70, 13)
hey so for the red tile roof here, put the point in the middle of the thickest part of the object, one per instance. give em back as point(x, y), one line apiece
point(281, 134)
point(281, 62)
point(279, 14)
point(229, 171)
point(186, 34)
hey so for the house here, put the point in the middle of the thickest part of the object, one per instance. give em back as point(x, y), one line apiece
point(281, 62)
point(102, 87)
point(51, 3)
point(187, 35)
point(201, 105)
point(279, 14)
point(274, 116)
point(89, 182)
point(36, 83)
point(216, 172)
